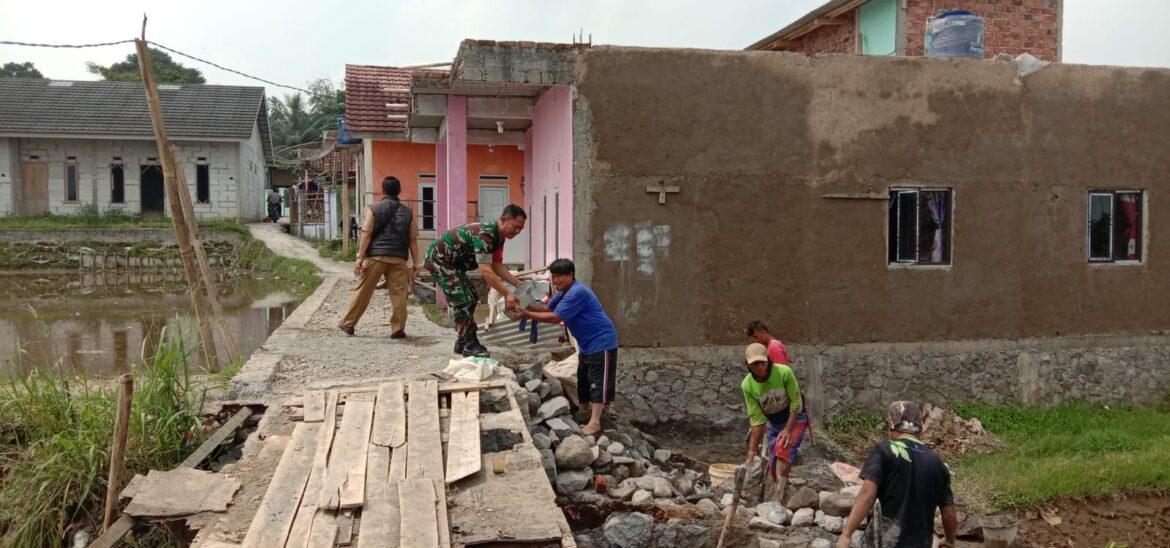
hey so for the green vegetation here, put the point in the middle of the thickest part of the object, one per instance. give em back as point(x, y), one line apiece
point(55, 436)
point(88, 216)
point(332, 250)
point(166, 70)
point(856, 432)
point(1065, 451)
point(256, 256)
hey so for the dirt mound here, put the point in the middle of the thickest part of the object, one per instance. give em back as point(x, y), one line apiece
point(947, 432)
point(1122, 520)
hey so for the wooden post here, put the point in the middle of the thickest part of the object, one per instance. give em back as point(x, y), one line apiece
point(345, 228)
point(118, 451)
point(177, 218)
point(210, 287)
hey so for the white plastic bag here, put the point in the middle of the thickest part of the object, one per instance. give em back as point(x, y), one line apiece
point(472, 368)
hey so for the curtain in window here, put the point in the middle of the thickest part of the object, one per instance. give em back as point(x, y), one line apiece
point(937, 204)
point(1129, 205)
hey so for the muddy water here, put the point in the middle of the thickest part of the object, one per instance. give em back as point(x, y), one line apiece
point(101, 323)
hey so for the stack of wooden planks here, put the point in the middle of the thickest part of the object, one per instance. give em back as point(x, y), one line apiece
point(390, 454)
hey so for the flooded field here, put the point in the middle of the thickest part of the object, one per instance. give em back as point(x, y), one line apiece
point(100, 323)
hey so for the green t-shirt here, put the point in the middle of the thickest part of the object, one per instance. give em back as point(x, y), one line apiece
point(773, 399)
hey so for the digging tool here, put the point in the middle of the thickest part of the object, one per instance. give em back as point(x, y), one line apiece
point(740, 474)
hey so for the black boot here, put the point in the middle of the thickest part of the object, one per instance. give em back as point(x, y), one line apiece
point(472, 347)
point(459, 345)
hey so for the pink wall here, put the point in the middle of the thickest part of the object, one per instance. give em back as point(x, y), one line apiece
point(549, 177)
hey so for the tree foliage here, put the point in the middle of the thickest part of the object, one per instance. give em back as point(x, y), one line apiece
point(20, 70)
point(166, 70)
point(296, 120)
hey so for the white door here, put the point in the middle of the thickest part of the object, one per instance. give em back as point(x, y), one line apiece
point(492, 201)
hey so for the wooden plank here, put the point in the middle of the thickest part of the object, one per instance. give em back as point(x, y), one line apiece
point(398, 460)
point(416, 502)
point(390, 416)
point(314, 405)
point(324, 533)
point(345, 481)
point(274, 517)
point(345, 528)
point(229, 428)
point(303, 524)
point(521, 503)
point(379, 510)
point(441, 514)
point(463, 454)
point(425, 451)
point(444, 388)
point(111, 536)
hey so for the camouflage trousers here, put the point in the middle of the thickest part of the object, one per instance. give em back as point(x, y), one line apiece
point(461, 296)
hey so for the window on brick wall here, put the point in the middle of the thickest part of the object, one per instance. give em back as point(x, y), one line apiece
point(920, 226)
point(203, 183)
point(1115, 226)
point(117, 184)
point(72, 179)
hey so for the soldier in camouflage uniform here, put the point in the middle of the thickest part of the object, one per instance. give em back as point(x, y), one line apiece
point(470, 247)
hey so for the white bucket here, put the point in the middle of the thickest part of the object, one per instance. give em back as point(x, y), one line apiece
point(721, 472)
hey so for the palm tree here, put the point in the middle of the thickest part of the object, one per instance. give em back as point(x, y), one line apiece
point(292, 123)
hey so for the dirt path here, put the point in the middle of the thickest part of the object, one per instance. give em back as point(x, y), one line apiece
point(288, 246)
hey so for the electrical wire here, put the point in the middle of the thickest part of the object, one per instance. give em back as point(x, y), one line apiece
point(71, 46)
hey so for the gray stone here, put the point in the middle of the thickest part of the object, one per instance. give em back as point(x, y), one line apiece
point(642, 496)
point(774, 512)
point(603, 458)
point(657, 472)
point(561, 427)
point(553, 438)
point(678, 533)
point(661, 456)
point(832, 524)
point(533, 403)
point(623, 490)
point(852, 490)
point(543, 390)
point(685, 486)
point(637, 469)
point(621, 460)
point(708, 505)
point(549, 461)
point(727, 499)
point(661, 487)
point(571, 481)
point(803, 498)
point(622, 473)
point(493, 401)
point(616, 448)
point(532, 385)
point(589, 440)
point(837, 504)
point(555, 388)
point(768, 543)
point(499, 439)
point(526, 373)
point(803, 517)
point(573, 454)
point(821, 543)
point(760, 524)
point(541, 441)
point(603, 442)
point(741, 512)
point(553, 408)
point(633, 530)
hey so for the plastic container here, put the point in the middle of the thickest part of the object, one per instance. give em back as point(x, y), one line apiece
point(720, 472)
point(999, 531)
point(955, 33)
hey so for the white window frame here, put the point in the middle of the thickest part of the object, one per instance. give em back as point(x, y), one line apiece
point(894, 239)
point(434, 203)
point(1113, 195)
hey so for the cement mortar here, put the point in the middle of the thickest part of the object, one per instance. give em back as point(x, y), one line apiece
point(702, 383)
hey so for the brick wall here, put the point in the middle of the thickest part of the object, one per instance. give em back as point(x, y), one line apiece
point(1011, 26)
point(95, 158)
point(826, 39)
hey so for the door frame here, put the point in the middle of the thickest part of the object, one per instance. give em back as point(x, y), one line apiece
point(142, 188)
point(45, 188)
point(482, 186)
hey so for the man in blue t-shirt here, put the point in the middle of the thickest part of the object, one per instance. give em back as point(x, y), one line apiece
point(578, 308)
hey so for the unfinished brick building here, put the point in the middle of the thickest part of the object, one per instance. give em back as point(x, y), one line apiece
point(898, 27)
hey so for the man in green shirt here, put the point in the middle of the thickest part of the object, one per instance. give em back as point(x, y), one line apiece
point(774, 406)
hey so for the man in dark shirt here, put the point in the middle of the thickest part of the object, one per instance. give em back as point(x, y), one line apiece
point(908, 481)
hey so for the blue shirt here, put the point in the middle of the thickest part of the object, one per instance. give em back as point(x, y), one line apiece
point(584, 316)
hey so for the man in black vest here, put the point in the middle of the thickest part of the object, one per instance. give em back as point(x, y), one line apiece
point(388, 234)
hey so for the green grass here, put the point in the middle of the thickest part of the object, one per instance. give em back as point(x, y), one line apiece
point(1065, 451)
point(332, 250)
point(255, 256)
point(55, 435)
point(88, 216)
point(856, 432)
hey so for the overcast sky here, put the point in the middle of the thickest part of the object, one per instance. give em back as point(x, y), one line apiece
point(294, 41)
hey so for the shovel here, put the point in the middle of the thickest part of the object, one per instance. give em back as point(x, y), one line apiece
point(740, 474)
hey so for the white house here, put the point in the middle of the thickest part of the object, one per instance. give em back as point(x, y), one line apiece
point(65, 144)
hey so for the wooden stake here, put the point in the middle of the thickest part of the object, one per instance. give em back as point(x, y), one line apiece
point(177, 217)
point(344, 205)
point(740, 474)
point(118, 450)
point(210, 287)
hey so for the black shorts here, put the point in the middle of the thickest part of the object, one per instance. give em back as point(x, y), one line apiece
point(597, 377)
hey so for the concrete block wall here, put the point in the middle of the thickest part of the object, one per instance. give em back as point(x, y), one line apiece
point(253, 179)
point(8, 176)
point(96, 157)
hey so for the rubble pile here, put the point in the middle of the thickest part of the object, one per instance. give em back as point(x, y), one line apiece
point(651, 495)
point(947, 432)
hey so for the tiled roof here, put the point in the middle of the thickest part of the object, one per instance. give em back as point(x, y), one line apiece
point(375, 100)
point(80, 108)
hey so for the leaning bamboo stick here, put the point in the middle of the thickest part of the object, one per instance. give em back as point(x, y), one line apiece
point(118, 452)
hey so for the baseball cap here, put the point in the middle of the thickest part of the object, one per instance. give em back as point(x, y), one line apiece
point(905, 417)
point(756, 352)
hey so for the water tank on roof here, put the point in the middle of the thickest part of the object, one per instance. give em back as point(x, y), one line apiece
point(955, 33)
point(343, 135)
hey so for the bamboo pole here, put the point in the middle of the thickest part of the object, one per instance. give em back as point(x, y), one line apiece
point(345, 228)
point(177, 218)
point(210, 287)
point(118, 451)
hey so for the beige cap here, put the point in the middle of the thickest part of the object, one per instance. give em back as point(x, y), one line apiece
point(756, 352)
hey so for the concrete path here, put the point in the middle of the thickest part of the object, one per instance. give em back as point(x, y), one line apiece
point(309, 351)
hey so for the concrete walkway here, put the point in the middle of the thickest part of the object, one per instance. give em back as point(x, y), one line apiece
point(309, 351)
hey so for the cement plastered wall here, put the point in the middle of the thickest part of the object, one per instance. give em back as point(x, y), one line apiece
point(701, 384)
point(95, 157)
point(759, 142)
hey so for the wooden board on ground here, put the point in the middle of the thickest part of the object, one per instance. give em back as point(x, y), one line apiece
point(380, 512)
point(485, 508)
point(345, 481)
point(181, 492)
point(314, 405)
point(390, 416)
point(444, 388)
point(324, 533)
point(420, 525)
point(302, 526)
point(441, 514)
point(274, 518)
point(424, 451)
point(463, 456)
point(345, 528)
point(228, 429)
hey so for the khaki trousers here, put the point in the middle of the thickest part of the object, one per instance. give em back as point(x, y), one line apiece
point(397, 276)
